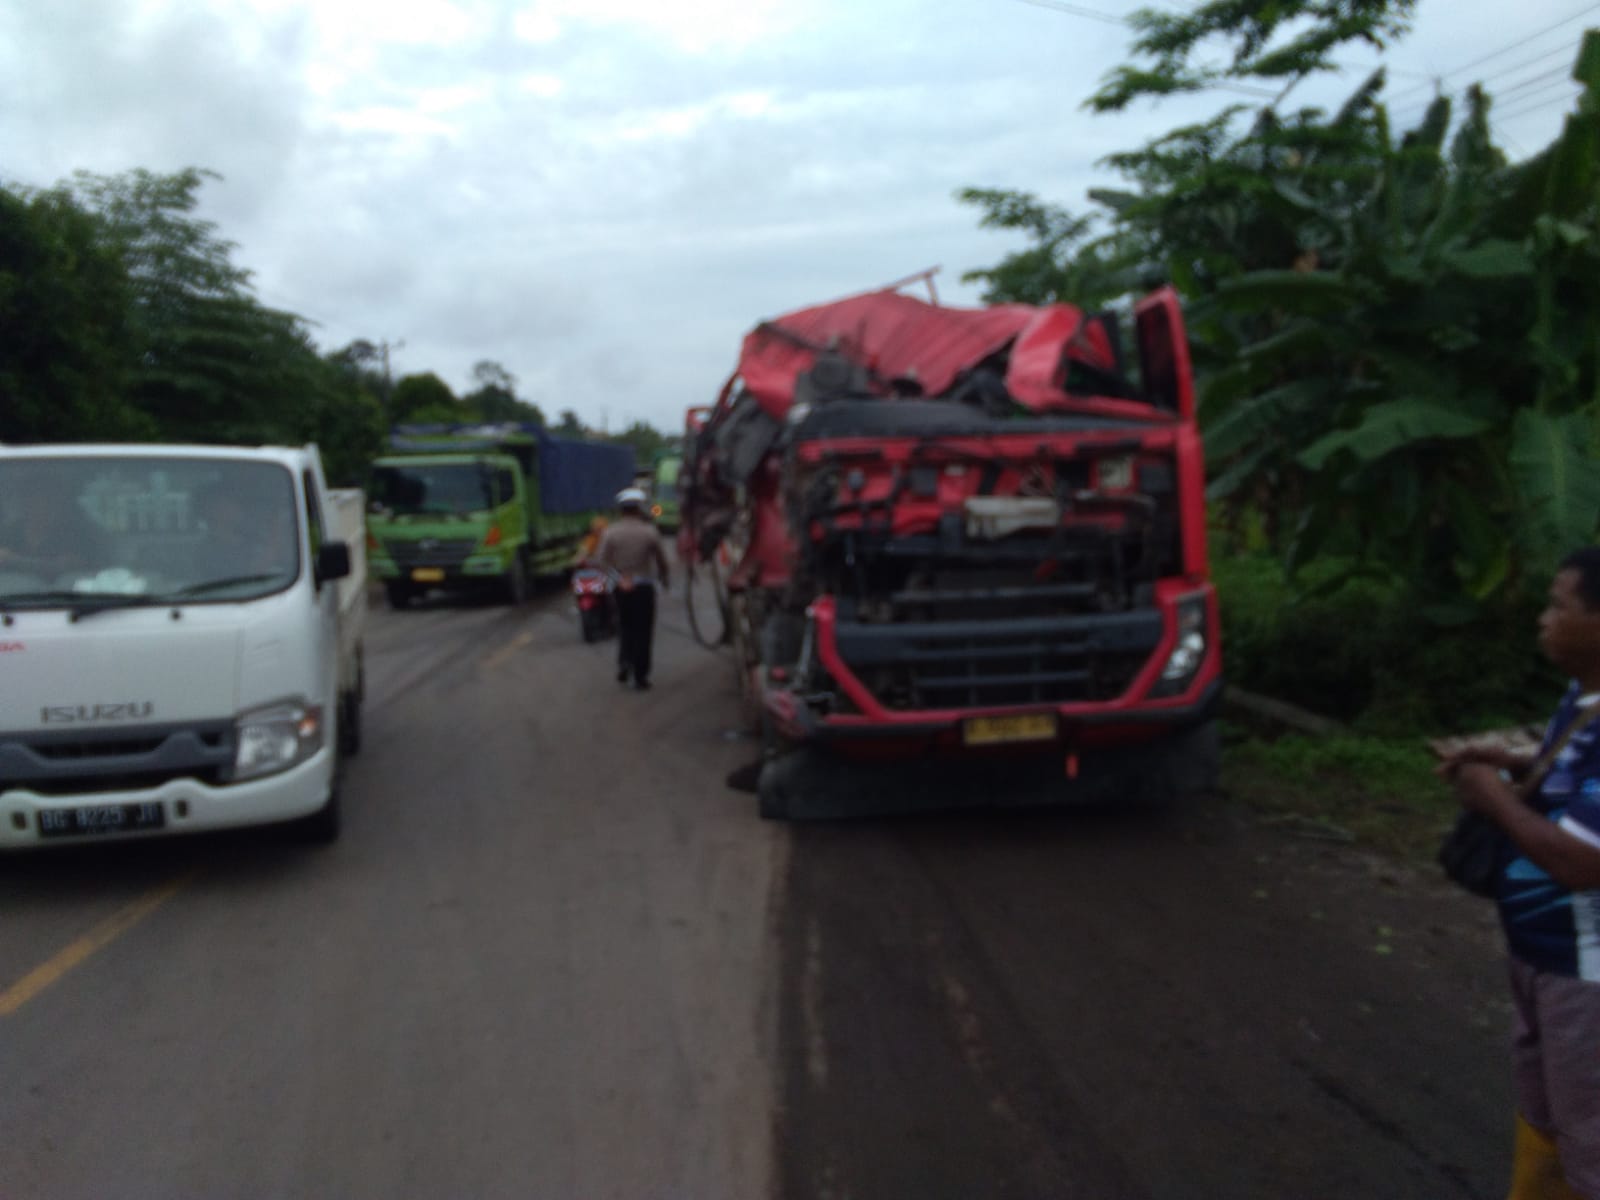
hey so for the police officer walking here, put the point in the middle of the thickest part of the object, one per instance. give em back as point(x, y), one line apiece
point(632, 548)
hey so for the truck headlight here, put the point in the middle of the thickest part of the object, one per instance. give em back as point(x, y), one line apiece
point(1190, 649)
point(277, 738)
point(1115, 474)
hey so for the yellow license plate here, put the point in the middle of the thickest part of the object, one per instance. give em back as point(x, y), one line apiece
point(428, 575)
point(991, 731)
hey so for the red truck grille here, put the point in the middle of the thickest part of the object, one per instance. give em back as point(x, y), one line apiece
point(984, 664)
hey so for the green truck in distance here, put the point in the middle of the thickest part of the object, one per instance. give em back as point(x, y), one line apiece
point(664, 491)
point(471, 506)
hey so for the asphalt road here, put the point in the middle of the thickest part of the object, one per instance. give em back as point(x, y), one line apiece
point(553, 956)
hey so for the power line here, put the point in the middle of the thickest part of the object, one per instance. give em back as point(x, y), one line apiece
point(1563, 49)
point(1078, 10)
point(1533, 37)
point(1548, 79)
point(1558, 73)
point(1540, 106)
point(1539, 91)
point(1559, 106)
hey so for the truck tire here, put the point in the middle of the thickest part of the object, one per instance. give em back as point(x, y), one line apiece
point(772, 797)
point(771, 802)
point(1182, 769)
point(400, 595)
point(1196, 761)
point(516, 582)
point(350, 723)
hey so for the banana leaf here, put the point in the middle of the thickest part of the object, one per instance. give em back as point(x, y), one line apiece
point(1258, 417)
point(1493, 259)
point(1300, 292)
point(1557, 478)
point(1392, 425)
point(1236, 475)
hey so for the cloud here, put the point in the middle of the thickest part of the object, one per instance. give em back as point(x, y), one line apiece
point(601, 195)
point(700, 28)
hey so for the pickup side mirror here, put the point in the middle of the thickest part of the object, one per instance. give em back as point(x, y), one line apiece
point(333, 562)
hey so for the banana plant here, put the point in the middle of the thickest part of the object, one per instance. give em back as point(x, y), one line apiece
point(1413, 393)
point(1399, 358)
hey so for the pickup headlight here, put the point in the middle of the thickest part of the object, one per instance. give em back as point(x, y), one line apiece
point(1189, 651)
point(274, 739)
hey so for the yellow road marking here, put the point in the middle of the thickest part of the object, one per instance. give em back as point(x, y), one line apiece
point(76, 952)
point(506, 651)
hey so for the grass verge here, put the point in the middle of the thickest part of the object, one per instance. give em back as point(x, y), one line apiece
point(1378, 792)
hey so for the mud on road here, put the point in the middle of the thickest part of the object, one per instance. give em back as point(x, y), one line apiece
point(1170, 1005)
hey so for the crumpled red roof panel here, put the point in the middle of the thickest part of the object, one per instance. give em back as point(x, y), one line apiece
point(898, 335)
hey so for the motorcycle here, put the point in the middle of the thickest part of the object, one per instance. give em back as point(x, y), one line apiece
point(593, 588)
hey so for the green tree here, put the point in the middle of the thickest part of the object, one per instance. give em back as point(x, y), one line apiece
point(426, 398)
point(362, 362)
point(67, 349)
point(495, 397)
point(646, 440)
point(569, 426)
point(213, 364)
point(1268, 46)
point(1066, 260)
point(127, 319)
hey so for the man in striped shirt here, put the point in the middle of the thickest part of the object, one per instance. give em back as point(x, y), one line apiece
point(1549, 898)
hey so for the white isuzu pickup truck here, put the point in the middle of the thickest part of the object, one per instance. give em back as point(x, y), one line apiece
point(180, 640)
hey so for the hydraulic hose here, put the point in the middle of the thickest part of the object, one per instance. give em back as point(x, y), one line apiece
point(722, 605)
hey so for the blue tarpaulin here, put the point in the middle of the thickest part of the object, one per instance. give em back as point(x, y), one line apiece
point(574, 476)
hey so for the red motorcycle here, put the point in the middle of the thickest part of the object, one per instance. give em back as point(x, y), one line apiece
point(594, 589)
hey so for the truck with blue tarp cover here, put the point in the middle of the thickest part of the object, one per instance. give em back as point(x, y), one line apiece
point(458, 506)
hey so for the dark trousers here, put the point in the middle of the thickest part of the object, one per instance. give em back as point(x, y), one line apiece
point(636, 621)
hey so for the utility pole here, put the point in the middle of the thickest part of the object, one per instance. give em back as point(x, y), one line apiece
point(388, 381)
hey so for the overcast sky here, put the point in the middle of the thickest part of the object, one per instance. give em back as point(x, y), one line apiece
point(604, 195)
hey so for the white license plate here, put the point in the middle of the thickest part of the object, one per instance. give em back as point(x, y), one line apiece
point(100, 818)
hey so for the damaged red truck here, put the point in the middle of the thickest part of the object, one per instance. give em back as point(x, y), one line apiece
point(966, 555)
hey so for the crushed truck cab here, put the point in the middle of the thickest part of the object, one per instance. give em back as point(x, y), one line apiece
point(970, 545)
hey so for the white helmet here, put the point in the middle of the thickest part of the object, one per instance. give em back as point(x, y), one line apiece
point(631, 495)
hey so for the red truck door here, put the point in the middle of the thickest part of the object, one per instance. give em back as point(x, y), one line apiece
point(1164, 353)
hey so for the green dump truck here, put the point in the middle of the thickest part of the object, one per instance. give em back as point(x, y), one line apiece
point(474, 506)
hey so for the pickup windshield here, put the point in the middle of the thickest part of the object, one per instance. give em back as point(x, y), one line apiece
point(79, 530)
point(433, 489)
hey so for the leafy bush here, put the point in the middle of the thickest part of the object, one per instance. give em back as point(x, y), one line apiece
point(1364, 653)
